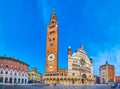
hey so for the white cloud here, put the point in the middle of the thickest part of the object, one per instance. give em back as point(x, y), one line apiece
point(45, 6)
point(112, 55)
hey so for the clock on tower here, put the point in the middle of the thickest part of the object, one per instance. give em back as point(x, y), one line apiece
point(52, 45)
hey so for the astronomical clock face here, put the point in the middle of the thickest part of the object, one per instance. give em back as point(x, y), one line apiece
point(51, 57)
point(82, 62)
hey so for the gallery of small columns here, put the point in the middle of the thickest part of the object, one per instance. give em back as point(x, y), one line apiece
point(68, 81)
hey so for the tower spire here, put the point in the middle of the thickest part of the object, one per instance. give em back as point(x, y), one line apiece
point(69, 51)
point(53, 16)
point(82, 47)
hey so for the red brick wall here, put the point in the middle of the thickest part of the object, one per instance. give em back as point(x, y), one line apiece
point(13, 64)
point(111, 73)
point(117, 78)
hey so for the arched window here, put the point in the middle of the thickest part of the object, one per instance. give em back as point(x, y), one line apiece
point(10, 80)
point(19, 74)
point(6, 80)
point(6, 66)
point(1, 71)
point(15, 73)
point(19, 80)
point(6, 72)
point(26, 75)
point(1, 79)
point(10, 72)
point(22, 80)
point(15, 80)
point(52, 22)
point(22, 74)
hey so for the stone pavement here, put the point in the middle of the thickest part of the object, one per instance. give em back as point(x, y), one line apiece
point(57, 87)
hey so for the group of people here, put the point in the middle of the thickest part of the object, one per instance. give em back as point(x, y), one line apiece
point(114, 85)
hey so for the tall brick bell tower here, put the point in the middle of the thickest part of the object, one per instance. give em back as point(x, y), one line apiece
point(52, 45)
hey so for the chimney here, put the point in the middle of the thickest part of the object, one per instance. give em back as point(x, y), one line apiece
point(69, 51)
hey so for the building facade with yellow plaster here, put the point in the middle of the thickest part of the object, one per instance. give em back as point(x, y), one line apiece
point(34, 76)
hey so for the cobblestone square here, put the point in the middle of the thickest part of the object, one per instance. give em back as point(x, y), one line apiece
point(57, 87)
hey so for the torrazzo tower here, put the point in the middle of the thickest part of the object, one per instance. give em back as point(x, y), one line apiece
point(52, 45)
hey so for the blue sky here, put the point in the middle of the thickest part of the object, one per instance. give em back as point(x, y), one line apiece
point(96, 24)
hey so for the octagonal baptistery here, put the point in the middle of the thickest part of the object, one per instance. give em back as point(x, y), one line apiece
point(13, 71)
